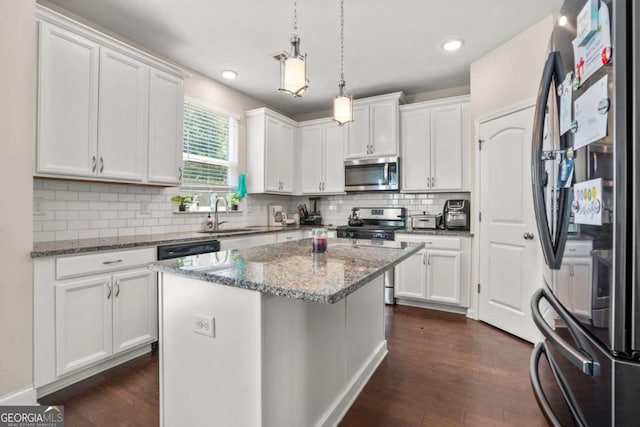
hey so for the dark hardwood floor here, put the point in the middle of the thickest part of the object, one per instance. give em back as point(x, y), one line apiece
point(442, 370)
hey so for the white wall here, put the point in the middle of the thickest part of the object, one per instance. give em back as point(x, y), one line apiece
point(17, 124)
point(510, 74)
point(506, 76)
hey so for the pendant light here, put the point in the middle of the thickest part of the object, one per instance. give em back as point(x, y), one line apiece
point(293, 66)
point(342, 104)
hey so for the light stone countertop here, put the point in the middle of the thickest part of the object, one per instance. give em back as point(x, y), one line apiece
point(64, 247)
point(290, 269)
point(437, 232)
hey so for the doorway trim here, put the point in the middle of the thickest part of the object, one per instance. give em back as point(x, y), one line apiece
point(474, 299)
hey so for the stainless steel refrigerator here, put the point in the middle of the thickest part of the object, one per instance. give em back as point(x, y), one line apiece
point(586, 370)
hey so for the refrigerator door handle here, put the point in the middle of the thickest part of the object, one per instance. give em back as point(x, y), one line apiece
point(539, 350)
point(578, 359)
point(552, 248)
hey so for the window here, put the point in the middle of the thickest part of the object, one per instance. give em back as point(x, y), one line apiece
point(210, 148)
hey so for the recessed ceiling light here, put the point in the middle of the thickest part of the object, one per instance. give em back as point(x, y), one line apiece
point(229, 74)
point(452, 45)
point(562, 21)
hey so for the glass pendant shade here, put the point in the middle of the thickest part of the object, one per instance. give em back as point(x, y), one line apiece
point(293, 70)
point(342, 107)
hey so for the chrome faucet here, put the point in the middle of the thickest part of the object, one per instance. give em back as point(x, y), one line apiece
point(215, 213)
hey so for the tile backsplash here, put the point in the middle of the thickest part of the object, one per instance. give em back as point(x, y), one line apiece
point(69, 210)
point(335, 210)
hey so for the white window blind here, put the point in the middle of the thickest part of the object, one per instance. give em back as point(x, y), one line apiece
point(210, 148)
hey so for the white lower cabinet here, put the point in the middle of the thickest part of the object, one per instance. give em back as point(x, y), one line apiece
point(574, 279)
point(438, 274)
point(95, 319)
point(83, 323)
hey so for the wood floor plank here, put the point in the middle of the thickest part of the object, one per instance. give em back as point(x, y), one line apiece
point(442, 370)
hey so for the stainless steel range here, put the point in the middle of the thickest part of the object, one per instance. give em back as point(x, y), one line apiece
point(375, 223)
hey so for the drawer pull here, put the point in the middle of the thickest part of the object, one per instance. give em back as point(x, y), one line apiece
point(112, 262)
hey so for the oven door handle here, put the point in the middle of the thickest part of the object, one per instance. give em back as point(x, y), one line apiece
point(582, 362)
point(550, 415)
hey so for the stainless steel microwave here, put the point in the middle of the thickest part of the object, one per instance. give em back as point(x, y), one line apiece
point(373, 174)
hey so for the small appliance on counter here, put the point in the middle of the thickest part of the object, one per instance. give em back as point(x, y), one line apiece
point(277, 216)
point(457, 215)
point(310, 218)
point(354, 219)
point(426, 221)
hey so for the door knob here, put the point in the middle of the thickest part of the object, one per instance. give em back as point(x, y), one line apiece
point(528, 236)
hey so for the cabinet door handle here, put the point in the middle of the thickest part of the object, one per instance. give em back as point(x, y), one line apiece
point(433, 181)
point(429, 259)
point(101, 164)
point(94, 164)
point(429, 182)
point(323, 186)
point(424, 259)
point(112, 262)
point(109, 287)
point(319, 186)
point(180, 173)
point(117, 288)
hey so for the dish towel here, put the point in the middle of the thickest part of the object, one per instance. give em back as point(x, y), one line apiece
point(242, 186)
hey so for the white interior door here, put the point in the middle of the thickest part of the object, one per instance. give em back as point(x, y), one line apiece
point(508, 260)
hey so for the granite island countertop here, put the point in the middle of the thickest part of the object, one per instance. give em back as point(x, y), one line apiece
point(290, 269)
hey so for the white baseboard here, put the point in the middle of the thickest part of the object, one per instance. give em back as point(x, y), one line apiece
point(343, 402)
point(432, 306)
point(25, 396)
point(90, 371)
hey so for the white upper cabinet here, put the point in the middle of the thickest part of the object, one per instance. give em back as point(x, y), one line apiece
point(166, 102)
point(102, 113)
point(358, 143)
point(67, 103)
point(122, 117)
point(311, 147)
point(321, 159)
point(435, 140)
point(269, 152)
point(374, 131)
point(333, 158)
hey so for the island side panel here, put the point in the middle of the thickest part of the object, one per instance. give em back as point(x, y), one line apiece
point(205, 380)
point(304, 365)
point(365, 326)
point(317, 357)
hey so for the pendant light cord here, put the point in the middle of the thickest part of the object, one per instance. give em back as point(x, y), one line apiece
point(341, 39)
point(295, 17)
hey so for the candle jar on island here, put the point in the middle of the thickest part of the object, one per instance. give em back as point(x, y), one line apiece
point(319, 240)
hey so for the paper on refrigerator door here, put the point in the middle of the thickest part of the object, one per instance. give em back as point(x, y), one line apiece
point(591, 114)
point(565, 91)
point(587, 203)
point(596, 52)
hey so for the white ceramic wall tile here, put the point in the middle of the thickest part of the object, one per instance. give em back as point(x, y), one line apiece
point(78, 210)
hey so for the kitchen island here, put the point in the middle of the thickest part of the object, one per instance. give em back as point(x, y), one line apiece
point(273, 335)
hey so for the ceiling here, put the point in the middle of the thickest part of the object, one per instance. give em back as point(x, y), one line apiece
point(389, 45)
